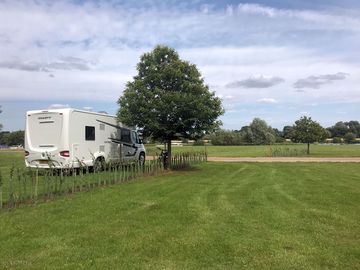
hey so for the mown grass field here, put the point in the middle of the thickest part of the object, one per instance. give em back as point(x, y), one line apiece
point(215, 216)
point(9, 159)
point(316, 150)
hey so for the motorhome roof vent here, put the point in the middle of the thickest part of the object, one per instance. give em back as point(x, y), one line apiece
point(103, 112)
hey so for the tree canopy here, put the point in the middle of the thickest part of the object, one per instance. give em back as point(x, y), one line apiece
point(287, 132)
point(12, 138)
point(254, 133)
point(349, 137)
point(342, 128)
point(258, 132)
point(308, 131)
point(168, 98)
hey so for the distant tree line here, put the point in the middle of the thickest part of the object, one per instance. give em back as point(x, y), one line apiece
point(304, 130)
point(12, 138)
point(346, 131)
point(258, 132)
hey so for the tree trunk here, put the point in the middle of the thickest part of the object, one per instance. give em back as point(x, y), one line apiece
point(308, 148)
point(169, 152)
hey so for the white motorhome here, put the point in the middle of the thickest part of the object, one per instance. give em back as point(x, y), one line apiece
point(68, 138)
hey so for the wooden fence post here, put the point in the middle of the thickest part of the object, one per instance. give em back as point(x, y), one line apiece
point(11, 187)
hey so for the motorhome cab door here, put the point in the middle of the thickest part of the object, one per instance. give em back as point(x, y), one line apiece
point(130, 147)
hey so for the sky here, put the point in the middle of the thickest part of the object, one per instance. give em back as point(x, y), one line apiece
point(277, 60)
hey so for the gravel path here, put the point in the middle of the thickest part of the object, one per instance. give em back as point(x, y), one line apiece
point(285, 159)
point(280, 159)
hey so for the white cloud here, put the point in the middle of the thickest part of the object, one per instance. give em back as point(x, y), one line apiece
point(102, 24)
point(62, 63)
point(220, 66)
point(267, 100)
point(58, 106)
point(68, 85)
point(90, 50)
point(229, 10)
point(230, 107)
point(106, 79)
point(316, 81)
point(341, 112)
point(258, 9)
point(304, 113)
point(256, 82)
point(336, 20)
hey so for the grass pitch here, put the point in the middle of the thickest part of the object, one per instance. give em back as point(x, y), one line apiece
point(216, 216)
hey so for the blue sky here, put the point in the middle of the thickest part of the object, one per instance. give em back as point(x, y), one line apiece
point(277, 60)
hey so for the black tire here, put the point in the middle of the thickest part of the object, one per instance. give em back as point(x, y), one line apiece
point(142, 158)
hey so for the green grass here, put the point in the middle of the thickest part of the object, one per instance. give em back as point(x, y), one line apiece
point(8, 158)
point(264, 150)
point(216, 216)
point(31, 185)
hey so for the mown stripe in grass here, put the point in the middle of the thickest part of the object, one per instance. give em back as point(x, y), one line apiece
point(220, 216)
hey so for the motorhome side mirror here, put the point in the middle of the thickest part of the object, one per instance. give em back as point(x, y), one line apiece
point(140, 141)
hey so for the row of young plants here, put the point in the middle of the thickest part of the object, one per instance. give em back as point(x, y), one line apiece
point(283, 151)
point(30, 186)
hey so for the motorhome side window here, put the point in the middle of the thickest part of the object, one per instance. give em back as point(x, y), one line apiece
point(134, 137)
point(125, 135)
point(89, 133)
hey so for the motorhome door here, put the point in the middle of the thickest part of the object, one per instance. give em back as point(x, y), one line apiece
point(129, 148)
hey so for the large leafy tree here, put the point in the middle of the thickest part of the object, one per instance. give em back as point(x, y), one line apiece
point(354, 127)
point(168, 98)
point(308, 131)
point(339, 129)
